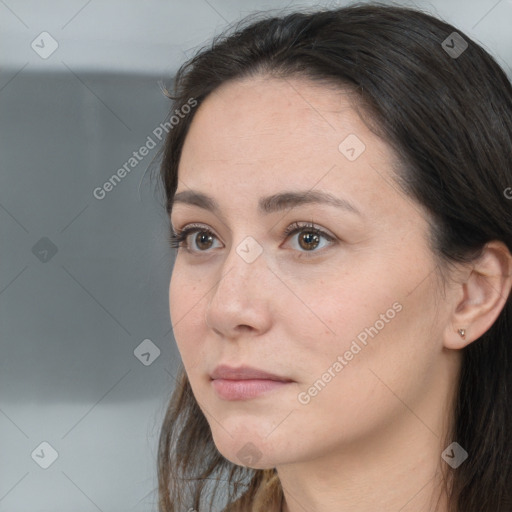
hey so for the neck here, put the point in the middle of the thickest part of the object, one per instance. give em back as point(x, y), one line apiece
point(398, 469)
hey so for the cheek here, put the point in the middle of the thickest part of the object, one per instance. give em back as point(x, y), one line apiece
point(347, 330)
point(339, 306)
point(372, 314)
point(185, 305)
point(379, 352)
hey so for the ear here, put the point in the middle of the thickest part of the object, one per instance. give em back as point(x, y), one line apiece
point(481, 295)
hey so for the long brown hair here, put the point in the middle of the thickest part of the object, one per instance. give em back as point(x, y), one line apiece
point(448, 116)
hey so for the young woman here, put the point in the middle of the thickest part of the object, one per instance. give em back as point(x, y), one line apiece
point(339, 186)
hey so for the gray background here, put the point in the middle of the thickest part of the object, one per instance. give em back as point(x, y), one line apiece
point(71, 320)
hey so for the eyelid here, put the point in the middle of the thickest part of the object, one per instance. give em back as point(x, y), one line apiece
point(305, 225)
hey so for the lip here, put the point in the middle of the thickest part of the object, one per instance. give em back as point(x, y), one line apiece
point(244, 373)
point(245, 382)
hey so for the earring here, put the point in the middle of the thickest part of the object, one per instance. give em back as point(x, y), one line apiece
point(462, 332)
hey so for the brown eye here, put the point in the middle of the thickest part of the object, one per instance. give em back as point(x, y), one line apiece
point(203, 240)
point(310, 237)
point(309, 240)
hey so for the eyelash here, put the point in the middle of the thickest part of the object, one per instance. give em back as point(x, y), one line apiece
point(176, 238)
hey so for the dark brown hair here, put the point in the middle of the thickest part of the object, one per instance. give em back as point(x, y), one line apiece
point(449, 119)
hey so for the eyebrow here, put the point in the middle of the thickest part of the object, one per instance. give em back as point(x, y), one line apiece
point(269, 204)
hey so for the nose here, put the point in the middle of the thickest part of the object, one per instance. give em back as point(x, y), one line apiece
point(240, 298)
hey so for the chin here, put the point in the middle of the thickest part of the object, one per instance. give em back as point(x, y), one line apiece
point(248, 450)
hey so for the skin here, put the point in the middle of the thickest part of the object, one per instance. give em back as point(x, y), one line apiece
point(372, 438)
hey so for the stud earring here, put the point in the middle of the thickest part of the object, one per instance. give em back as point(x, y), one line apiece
point(462, 332)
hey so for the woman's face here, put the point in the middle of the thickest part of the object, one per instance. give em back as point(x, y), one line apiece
point(348, 315)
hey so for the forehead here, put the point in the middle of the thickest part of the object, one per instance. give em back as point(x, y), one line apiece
point(275, 122)
point(256, 136)
point(267, 116)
